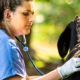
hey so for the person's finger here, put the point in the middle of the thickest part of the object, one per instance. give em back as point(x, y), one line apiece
point(76, 59)
point(77, 64)
point(78, 69)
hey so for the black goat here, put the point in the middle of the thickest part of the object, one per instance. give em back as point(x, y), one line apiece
point(70, 38)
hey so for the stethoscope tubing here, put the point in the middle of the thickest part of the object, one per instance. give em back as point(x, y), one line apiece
point(25, 49)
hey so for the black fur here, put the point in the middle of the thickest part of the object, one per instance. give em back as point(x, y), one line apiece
point(70, 39)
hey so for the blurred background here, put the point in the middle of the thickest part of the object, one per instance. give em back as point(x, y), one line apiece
point(51, 18)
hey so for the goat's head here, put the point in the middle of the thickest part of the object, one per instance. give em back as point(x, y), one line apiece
point(70, 38)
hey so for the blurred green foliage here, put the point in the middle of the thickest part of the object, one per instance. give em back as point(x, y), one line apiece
point(51, 18)
point(58, 11)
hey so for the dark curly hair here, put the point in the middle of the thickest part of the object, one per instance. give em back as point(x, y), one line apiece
point(9, 4)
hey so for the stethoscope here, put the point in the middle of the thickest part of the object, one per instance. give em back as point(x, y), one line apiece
point(24, 48)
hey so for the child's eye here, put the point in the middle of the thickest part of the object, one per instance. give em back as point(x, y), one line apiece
point(25, 14)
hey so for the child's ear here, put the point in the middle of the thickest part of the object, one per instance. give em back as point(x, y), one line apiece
point(7, 14)
point(64, 42)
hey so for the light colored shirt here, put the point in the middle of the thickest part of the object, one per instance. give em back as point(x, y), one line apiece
point(11, 59)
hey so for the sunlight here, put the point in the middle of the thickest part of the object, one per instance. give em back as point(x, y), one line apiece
point(39, 18)
point(69, 1)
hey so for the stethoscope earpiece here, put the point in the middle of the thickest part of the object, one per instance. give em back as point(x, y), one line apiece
point(9, 15)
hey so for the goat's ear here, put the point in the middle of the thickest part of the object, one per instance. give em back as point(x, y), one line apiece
point(64, 42)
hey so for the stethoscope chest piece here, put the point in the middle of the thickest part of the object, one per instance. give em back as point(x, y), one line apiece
point(25, 48)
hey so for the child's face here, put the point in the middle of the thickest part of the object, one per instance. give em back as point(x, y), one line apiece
point(22, 18)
